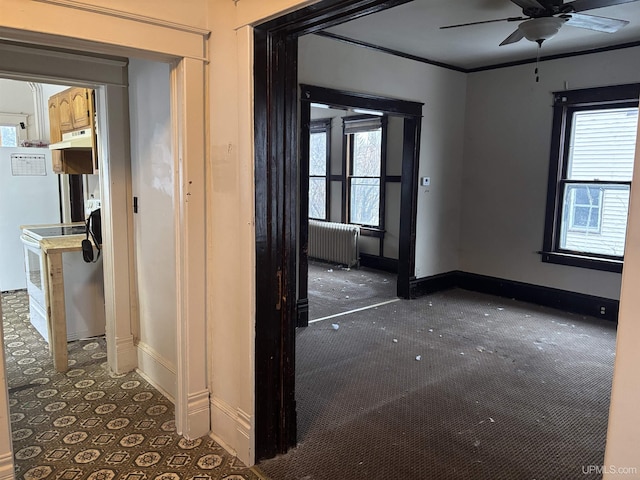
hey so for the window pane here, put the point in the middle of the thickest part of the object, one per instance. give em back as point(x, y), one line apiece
point(594, 218)
point(318, 153)
point(367, 153)
point(602, 144)
point(8, 136)
point(317, 198)
point(365, 201)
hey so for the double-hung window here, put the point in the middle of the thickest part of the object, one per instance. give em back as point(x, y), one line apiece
point(365, 146)
point(593, 150)
point(319, 155)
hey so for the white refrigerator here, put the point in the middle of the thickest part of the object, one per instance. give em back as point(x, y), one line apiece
point(28, 195)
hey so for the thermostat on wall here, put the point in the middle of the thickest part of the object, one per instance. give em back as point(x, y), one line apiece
point(425, 181)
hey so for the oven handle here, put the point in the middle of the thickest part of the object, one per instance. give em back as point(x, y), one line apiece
point(30, 242)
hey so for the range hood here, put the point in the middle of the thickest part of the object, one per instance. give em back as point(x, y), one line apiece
point(76, 139)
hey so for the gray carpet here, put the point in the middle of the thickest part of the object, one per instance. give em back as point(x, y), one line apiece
point(456, 385)
point(89, 423)
point(335, 289)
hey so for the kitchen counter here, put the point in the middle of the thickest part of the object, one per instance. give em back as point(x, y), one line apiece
point(72, 243)
point(53, 249)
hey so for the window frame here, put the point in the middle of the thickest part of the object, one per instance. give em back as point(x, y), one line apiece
point(347, 169)
point(565, 104)
point(322, 125)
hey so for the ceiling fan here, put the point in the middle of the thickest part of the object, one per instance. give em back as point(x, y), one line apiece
point(542, 19)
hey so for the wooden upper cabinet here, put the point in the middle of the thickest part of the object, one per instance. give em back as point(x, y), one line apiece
point(65, 120)
point(80, 107)
point(55, 135)
point(71, 110)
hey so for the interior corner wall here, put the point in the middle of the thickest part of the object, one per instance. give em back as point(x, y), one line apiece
point(506, 165)
point(329, 63)
point(154, 226)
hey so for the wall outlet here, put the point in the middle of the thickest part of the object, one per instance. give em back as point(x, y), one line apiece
point(425, 181)
point(603, 310)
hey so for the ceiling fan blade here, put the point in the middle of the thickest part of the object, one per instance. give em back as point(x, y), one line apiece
point(513, 38)
point(599, 24)
point(508, 19)
point(528, 4)
point(582, 5)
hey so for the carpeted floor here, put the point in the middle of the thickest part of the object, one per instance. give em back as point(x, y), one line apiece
point(455, 385)
point(335, 289)
point(90, 423)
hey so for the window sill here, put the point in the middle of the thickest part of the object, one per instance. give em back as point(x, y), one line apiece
point(371, 232)
point(582, 261)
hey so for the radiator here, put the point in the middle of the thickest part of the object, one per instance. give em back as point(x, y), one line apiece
point(334, 242)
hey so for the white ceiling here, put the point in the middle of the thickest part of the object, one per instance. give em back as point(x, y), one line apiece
point(414, 28)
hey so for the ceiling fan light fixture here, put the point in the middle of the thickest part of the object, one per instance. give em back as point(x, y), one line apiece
point(541, 29)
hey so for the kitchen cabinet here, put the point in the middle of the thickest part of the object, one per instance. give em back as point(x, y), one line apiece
point(81, 107)
point(69, 111)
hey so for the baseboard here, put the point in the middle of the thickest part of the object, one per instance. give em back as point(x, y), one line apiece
point(7, 471)
point(435, 283)
point(157, 370)
point(197, 422)
point(379, 263)
point(126, 355)
point(579, 303)
point(232, 428)
point(302, 307)
point(565, 300)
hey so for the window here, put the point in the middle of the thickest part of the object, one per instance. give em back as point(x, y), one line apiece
point(365, 142)
point(8, 136)
point(319, 154)
point(594, 138)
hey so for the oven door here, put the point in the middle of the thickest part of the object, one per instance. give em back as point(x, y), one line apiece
point(35, 271)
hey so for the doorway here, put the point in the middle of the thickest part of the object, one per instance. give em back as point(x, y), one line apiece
point(109, 76)
point(395, 188)
point(276, 172)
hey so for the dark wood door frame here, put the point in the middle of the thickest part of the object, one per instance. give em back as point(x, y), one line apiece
point(276, 153)
point(412, 114)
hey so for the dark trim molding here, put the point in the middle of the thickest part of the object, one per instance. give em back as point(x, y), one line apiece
point(455, 68)
point(593, 263)
point(342, 98)
point(276, 201)
point(555, 57)
point(390, 51)
point(379, 263)
point(549, 297)
point(434, 283)
point(303, 312)
point(565, 300)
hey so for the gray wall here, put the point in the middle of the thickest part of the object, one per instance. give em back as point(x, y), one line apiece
point(506, 164)
point(154, 227)
point(325, 62)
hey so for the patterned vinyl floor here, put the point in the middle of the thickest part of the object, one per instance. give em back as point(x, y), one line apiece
point(91, 424)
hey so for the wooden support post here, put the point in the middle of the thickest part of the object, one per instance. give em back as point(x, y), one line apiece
point(56, 312)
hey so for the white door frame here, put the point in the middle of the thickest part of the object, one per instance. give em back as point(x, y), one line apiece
point(188, 125)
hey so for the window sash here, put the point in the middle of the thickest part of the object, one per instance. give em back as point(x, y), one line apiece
point(318, 209)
